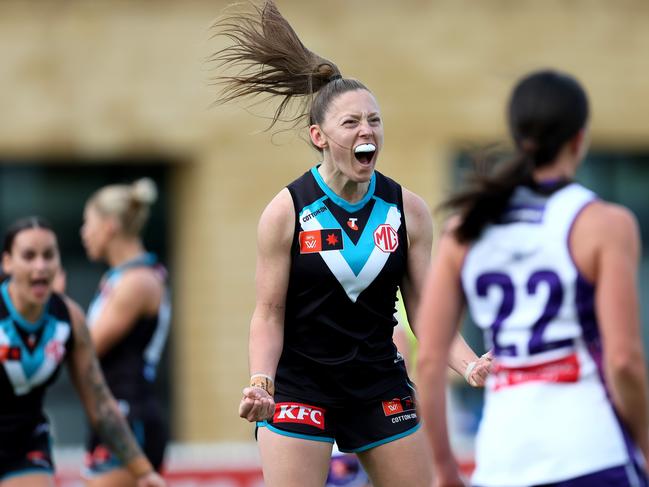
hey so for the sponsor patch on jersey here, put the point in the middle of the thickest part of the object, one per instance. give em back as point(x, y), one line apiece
point(396, 405)
point(392, 407)
point(351, 223)
point(295, 412)
point(312, 241)
point(313, 214)
point(55, 350)
point(39, 458)
point(559, 371)
point(386, 238)
point(9, 353)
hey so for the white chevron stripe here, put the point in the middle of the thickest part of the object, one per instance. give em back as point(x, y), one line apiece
point(352, 284)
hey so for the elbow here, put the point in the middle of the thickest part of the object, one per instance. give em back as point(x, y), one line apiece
point(427, 366)
point(628, 367)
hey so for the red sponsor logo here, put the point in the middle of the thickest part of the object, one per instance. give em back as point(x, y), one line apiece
point(386, 238)
point(294, 412)
point(561, 370)
point(35, 455)
point(392, 407)
point(310, 241)
point(9, 353)
point(55, 350)
point(351, 223)
point(408, 403)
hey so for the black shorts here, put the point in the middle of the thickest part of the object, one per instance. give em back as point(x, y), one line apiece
point(150, 433)
point(355, 427)
point(33, 456)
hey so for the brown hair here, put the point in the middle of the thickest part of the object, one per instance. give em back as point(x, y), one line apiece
point(272, 60)
point(546, 109)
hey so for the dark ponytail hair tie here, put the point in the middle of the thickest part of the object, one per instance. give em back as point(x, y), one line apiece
point(335, 77)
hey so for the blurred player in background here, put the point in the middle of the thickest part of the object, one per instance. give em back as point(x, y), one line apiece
point(39, 330)
point(548, 271)
point(332, 249)
point(128, 321)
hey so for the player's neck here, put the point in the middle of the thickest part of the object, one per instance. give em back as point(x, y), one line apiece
point(124, 250)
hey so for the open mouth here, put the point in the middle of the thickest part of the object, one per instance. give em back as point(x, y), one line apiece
point(364, 153)
point(40, 284)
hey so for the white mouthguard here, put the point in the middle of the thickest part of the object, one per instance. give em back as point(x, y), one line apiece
point(365, 148)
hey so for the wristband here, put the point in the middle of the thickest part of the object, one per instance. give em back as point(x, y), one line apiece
point(264, 382)
point(467, 372)
point(139, 466)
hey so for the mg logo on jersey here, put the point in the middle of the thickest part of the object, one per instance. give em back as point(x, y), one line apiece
point(351, 223)
point(55, 350)
point(386, 238)
point(294, 412)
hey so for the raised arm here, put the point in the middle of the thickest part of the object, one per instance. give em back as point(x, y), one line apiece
point(274, 238)
point(137, 294)
point(101, 407)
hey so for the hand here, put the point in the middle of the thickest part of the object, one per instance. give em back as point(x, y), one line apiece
point(151, 479)
point(256, 404)
point(477, 372)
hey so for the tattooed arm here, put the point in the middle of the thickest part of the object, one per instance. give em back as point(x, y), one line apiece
point(100, 405)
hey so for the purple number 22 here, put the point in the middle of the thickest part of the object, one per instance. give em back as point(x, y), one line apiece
point(536, 343)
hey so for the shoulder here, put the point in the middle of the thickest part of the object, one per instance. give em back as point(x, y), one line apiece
point(449, 247)
point(416, 209)
point(603, 230)
point(277, 221)
point(279, 210)
point(77, 316)
point(606, 222)
point(140, 280)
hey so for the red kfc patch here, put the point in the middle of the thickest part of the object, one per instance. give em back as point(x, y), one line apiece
point(293, 412)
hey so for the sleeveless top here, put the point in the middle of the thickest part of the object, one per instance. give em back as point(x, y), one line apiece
point(547, 414)
point(347, 260)
point(31, 355)
point(130, 365)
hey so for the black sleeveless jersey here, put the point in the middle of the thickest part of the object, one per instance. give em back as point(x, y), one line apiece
point(130, 365)
point(347, 260)
point(31, 355)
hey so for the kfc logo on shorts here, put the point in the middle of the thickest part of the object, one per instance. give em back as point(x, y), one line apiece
point(293, 412)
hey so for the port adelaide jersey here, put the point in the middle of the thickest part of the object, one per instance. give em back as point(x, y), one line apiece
point(347, 260)
point(31, 355)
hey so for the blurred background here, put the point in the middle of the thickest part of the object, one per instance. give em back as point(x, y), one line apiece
point(101, 91)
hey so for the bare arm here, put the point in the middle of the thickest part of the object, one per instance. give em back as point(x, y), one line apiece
point(420, 238)
point(100, 405)
point(617, 255)
point(438, 318)
point(275, 235)
point(137, 294)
